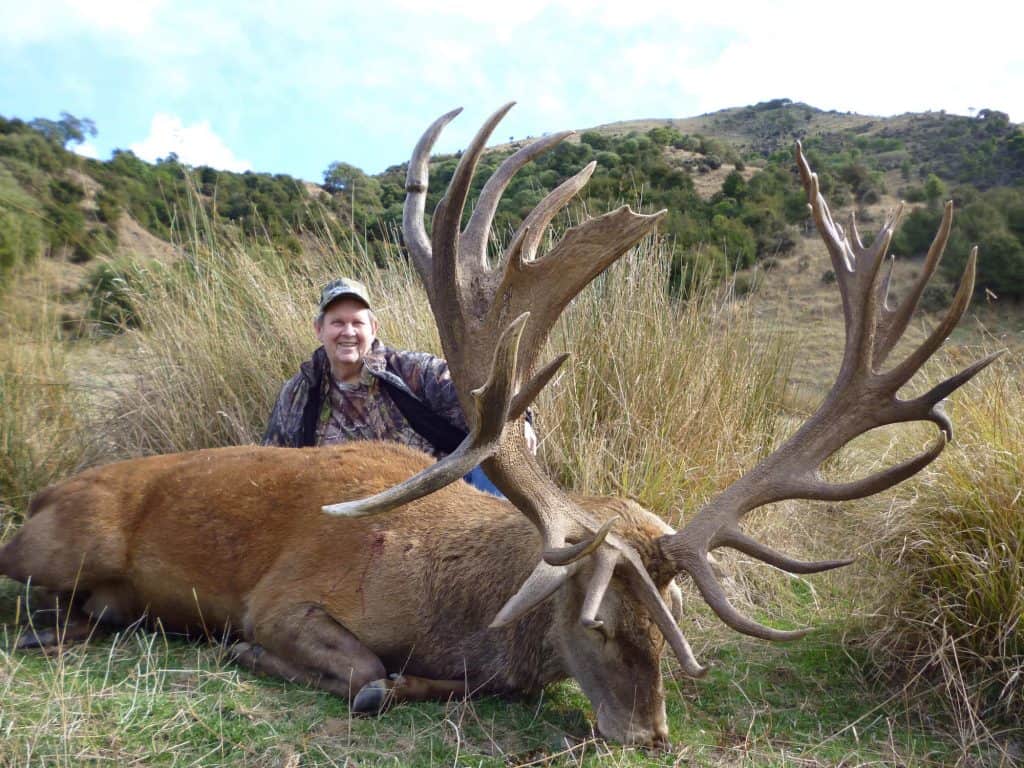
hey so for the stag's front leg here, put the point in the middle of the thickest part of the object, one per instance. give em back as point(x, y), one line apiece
point(377, 695)
point(303, 643)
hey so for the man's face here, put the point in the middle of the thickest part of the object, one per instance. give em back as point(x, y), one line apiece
point(347, 331)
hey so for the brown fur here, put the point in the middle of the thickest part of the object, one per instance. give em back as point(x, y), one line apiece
point(234, 538)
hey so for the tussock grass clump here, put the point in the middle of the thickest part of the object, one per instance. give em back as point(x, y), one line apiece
point(663, 400)
point(955, 553)
point(219, 332)
point(42, 409)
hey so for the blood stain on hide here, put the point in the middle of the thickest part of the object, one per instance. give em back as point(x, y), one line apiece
point(376, 547)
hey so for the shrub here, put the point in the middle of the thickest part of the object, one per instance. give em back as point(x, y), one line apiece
point(744, 283)
point(937, 296)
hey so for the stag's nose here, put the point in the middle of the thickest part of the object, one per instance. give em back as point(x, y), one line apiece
point(629, 731)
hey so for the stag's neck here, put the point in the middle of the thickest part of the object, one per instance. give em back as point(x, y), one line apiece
point(468, 579)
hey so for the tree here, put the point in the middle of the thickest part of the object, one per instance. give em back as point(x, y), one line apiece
point(934, 189)
point(354, 190)
point(734, 186)
point(339, 177)
point(68, 130)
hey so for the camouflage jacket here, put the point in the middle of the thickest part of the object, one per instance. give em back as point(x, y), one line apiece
point(313, 409)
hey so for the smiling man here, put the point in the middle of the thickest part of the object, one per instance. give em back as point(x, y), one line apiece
point(356, 388)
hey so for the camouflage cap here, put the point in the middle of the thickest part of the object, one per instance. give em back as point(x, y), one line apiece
point(340, 288)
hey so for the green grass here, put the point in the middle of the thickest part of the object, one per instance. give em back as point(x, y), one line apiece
point(141, 697)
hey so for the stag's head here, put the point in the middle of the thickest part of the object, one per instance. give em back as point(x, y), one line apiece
point(612, 565)
point(615, 653)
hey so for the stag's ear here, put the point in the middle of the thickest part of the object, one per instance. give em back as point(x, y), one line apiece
point(676, 596)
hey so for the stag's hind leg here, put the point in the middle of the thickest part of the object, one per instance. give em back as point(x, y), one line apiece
point(53, 621)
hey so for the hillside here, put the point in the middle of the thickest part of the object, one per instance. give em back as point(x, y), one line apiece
point(726, 178)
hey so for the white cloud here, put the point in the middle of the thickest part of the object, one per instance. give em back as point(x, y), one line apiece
point(194, 144)
point(86, 149)
point(379, 71)
point(62, 19)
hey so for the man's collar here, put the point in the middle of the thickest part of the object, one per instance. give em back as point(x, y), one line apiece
point(375, 359)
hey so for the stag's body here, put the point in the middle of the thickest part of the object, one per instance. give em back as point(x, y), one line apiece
point(234, 538)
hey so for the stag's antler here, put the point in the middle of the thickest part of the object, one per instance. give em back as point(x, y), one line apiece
point(473, 304)
point(862, 398)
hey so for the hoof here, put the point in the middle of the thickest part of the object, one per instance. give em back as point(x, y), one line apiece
point(244, 654)
point(371, 698)
point(238, 649)
point(37, 638)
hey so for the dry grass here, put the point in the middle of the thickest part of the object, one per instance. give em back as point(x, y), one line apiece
point(953, 547)
point(41, 409)
point(220, 331)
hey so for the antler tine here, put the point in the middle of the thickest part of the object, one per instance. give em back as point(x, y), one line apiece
point(604, 568)
point(736, 539)
point(537, 588)
point(861, 399)
point(901, 374)
point(529, 391)
point(830, 232)
point(854, 233)
point(713, 594)
point(661, 614)
point(450, 258)
point(474, 237)
point(585, 548)
point(894, 322)
point(812, 486)
point(416, 181)
point(528, 236)
point(930, 403)
point(492, 404)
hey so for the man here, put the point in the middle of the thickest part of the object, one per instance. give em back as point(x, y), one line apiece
point(356, 388)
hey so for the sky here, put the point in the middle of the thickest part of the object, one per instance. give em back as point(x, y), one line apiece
point(289, 87)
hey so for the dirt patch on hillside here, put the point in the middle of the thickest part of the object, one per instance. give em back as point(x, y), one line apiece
point(134, 242)
point(88, 184)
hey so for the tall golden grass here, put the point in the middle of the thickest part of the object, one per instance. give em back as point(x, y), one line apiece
point(42, 409)
point(952, 549)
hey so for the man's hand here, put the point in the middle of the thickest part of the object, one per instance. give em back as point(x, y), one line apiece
point(531, 437)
